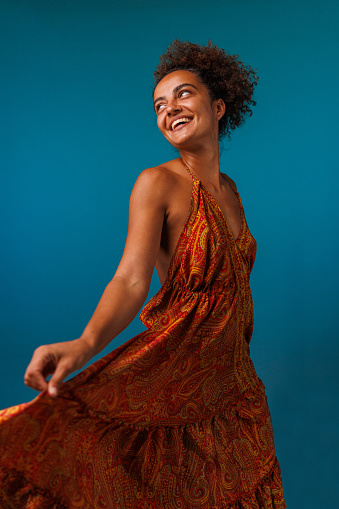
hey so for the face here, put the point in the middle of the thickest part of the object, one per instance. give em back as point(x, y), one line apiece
point(186, 115)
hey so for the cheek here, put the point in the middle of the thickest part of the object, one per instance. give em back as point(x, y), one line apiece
point(161, 124)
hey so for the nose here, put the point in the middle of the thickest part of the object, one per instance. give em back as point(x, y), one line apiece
point(172, 107)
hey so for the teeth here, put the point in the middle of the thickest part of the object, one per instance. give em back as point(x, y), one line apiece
point(180, 120)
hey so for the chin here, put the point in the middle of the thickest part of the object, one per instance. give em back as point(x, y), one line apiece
point(187, 144)
point(181, 143)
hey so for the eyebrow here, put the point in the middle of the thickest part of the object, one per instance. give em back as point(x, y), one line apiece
point(175, 90)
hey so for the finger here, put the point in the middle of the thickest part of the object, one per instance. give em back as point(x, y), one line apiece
point(35, 376)
point(35, 380)
point(55, 382)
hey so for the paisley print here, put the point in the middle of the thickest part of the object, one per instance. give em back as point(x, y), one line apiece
point(176, 418)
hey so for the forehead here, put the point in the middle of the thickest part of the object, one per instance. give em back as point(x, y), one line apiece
point(175, 78)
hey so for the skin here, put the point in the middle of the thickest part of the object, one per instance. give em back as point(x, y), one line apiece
point(156, 219)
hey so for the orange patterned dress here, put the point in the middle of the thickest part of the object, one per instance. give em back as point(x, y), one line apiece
point(176, 418)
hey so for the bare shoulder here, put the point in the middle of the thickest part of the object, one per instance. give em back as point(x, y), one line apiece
point(231, 182)
point(154, 187)
point(158, 180)
point(157, 177)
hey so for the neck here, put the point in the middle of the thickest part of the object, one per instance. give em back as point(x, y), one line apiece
point(204, 164)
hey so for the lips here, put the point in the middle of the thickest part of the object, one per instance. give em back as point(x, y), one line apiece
point(179, 121)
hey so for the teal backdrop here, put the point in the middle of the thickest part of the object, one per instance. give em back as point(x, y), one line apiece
point(77, 127)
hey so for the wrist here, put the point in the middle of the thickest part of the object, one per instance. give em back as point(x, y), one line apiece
point(87, 348)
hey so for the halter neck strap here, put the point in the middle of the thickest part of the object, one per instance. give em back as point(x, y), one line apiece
point(195, 178)
point(189, 170)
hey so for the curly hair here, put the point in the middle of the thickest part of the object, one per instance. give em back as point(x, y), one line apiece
point(224, 75)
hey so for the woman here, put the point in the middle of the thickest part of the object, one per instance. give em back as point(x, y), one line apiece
point(176, 417)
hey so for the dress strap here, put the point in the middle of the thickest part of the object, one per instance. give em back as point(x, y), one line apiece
point(189, 170)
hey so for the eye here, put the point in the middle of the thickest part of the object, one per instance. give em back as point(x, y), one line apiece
point(183, 92)
point(159, 107)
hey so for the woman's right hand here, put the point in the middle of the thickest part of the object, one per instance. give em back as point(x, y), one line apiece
point(58, 360)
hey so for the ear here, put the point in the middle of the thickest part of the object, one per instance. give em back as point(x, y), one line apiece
point(220, 108)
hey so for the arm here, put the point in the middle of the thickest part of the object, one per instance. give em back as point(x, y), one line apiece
point(123, 296)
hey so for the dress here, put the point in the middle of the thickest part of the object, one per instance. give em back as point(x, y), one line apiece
point(176, 418)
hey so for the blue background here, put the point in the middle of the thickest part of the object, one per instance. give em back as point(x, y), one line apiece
point(77, 127)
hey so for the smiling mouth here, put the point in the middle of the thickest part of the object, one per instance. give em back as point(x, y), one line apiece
point(180, 122)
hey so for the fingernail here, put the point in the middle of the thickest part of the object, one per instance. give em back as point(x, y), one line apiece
point(52, 391)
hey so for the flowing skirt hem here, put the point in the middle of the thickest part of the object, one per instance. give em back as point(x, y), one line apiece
point(17, 493)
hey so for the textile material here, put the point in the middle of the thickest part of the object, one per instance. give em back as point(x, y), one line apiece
point(176, 418)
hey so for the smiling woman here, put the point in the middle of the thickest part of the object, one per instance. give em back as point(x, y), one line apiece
point(177, 416)
point(224, 76)
point(183, 105)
